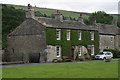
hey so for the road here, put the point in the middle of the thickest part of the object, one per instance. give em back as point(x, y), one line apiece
point(29, 64)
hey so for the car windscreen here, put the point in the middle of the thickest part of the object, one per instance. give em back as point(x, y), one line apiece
point(101, 53)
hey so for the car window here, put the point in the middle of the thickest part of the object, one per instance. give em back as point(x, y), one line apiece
point(101, 53)
point(108, 54)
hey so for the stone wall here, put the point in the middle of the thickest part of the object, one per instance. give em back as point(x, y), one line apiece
point(117, 42)
point(26, 48)
point(106, 42)
point(52, 53)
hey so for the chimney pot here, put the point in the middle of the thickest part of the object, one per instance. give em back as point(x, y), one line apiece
point(80, 19)
point(57, 11)
point(80, 14)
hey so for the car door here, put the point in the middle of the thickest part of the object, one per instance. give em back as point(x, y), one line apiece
point(108, 55)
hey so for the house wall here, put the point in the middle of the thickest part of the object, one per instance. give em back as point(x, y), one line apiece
point(51, 55)
point(106, 43)
point(66, 45)
point(26, 48)
point(117, 42)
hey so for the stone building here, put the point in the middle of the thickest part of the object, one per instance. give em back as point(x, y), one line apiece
point(40, 39)
point(108, 35)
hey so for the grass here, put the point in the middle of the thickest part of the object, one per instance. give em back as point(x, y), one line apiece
point(49, 11)
point(64, 70)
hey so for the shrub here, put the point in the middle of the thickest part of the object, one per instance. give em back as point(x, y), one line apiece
point(116, 52)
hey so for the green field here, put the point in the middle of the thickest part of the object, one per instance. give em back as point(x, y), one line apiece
point(64, 70)
point(49, 11)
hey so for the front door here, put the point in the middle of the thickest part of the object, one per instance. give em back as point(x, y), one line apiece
point(34, 58)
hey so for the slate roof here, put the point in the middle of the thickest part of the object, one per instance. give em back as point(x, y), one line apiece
point(28, 27)
point(34, 26)
point(107, 29)
point(102, 28)
point(67, 24)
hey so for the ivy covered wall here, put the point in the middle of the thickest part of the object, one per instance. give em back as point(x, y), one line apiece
point(66, 45)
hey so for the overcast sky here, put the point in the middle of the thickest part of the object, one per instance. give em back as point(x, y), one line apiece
point(109, 6)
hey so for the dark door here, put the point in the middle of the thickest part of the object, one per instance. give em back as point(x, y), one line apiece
point(34, 58)
point(72, 52)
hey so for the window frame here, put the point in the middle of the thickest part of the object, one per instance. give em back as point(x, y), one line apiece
point(58, 53)
point(93, 50)
point(58, 34)
point(111, 39)
point(92, 36)
point(79, 50)
point(79, 35)
point(68, 34)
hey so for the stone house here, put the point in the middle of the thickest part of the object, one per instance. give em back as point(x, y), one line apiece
point(108, 35)
point(40, 39)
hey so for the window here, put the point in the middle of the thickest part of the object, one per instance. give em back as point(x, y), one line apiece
point(58, 34)
point(68, 34)
point(79, 51)
point(92, 35)
point(79, 35)
point(58, 51)
point(92, 50)
point(111, 39)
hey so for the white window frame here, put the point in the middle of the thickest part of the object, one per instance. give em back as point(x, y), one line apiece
point(58, 34)
point(79, 50)
point(58, 51)
point(68, 34)
point(92, 36)
point(79, 35)
point(93, 50)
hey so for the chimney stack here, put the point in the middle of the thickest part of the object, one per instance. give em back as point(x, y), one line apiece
point(58, 16)
point(93, 21)
point(80, 19)
point(30, 12)
point(114, 22)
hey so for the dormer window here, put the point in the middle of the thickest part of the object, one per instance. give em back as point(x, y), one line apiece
point(58, 34)
point(68, 34)
point(79, 35)
point(92, 35)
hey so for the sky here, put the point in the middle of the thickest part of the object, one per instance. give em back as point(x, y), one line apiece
point(109, 6)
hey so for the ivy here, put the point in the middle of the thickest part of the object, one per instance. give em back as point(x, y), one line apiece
point(66, 45)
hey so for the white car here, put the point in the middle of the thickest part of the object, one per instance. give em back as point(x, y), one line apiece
point(104, 55)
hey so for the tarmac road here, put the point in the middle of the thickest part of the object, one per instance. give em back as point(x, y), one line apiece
point(29, 64)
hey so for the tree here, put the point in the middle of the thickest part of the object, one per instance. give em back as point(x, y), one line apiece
point(11, 18)
point(86, 21)
point(101, 17)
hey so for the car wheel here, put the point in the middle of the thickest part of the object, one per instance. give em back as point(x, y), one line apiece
point(104, 58)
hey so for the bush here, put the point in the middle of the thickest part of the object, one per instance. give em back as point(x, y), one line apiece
point(116, 52)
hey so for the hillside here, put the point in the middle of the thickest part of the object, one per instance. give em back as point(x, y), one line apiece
point(49, 11)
